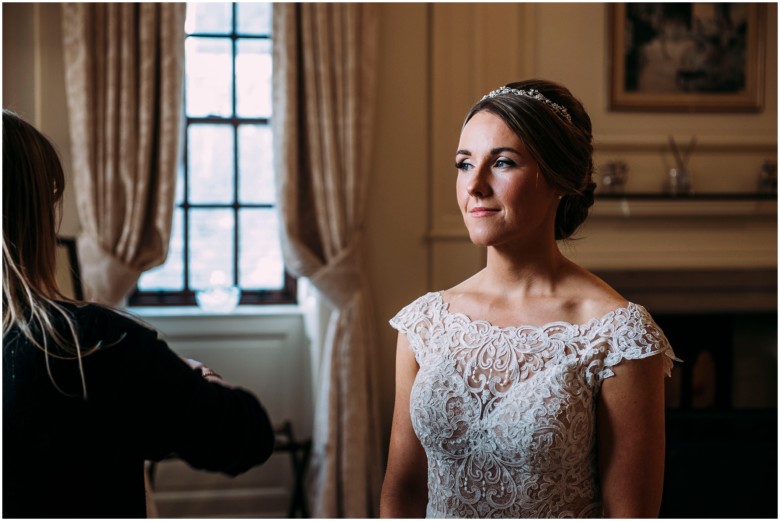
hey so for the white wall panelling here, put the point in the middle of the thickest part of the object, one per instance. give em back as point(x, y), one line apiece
point(267, 354)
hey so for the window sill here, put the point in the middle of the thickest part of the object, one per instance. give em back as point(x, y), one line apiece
point(195, 311)
point(180, 325)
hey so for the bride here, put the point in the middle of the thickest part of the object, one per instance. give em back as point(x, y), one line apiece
point(531, 389)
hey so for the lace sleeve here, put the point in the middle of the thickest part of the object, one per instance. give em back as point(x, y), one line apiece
point(416, 321)
point(635, 335)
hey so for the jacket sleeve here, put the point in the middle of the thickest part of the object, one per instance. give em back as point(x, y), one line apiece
point(147, 391)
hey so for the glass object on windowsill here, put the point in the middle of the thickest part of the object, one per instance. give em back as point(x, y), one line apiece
point(219, 296)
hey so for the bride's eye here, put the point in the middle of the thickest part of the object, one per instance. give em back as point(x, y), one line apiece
point(505, 163)
point(462, 165)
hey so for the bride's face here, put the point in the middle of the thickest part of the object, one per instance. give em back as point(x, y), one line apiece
point(501, 193)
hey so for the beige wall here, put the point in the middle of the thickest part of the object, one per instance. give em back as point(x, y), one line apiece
point(19, 58)
point(435, 60)
point(398, 212)
point(34, 83)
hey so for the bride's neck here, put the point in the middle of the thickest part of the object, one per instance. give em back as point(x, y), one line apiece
point(525, 268)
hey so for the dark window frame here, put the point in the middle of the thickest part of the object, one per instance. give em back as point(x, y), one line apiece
point(186, 297)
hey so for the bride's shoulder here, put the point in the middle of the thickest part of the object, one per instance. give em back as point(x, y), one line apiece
point(468, 288)
point(422, 304)
point(593, 296)
point(463, 299)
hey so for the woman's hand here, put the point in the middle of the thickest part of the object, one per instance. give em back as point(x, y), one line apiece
point(206, 372)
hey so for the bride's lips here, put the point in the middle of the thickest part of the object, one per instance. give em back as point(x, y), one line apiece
point(481, 211)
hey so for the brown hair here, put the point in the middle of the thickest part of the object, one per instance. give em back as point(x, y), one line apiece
point(33, 185)
point(562, 149)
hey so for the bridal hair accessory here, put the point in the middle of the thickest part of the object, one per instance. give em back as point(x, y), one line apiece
point(533, 94)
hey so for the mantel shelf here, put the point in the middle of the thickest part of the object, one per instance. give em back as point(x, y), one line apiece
point(657, 196)
point(697, 205)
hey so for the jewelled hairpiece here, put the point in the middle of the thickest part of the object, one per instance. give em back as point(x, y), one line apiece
point(533, 94)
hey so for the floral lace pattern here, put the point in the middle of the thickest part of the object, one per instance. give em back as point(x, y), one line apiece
point(507, 414)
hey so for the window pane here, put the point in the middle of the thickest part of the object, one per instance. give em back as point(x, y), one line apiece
point(169, 276)
point(255, 165)
point(260, 260)
point(253, 78)
point(228, 159)
point(209, 77)
point(178, 197)
point(253, 18)
point(211, 245)
point(208, 18)
point(210, 154)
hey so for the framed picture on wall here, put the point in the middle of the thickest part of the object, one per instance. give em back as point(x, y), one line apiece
point(68, 272)
point(687, 56)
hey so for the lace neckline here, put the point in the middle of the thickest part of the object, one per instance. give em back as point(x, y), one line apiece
point(596, 321)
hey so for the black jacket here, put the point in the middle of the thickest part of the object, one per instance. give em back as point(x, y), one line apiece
point(64, 456)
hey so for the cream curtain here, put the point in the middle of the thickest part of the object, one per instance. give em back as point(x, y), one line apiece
point(324, 97)
point(124, 67)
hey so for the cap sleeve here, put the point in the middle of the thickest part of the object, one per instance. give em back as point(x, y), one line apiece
point(416, 320)
point(635, 335)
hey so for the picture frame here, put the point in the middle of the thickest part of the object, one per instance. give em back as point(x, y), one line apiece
point(687, 57)
point(68, 271)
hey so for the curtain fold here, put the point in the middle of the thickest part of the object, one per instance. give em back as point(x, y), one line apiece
point(324, 100)
point(124, 65)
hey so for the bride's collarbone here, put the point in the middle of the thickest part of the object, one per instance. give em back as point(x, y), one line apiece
point(529, 311)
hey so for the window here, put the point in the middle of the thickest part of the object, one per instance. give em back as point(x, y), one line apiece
point(225, 218)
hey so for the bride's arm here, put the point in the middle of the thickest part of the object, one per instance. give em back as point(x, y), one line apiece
point(631, 440)
point(405, 488)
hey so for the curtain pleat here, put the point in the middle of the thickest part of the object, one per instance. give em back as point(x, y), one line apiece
point(324, 96)
point(124, 65)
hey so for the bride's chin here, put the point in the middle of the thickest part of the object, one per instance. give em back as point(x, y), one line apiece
point(480, 239)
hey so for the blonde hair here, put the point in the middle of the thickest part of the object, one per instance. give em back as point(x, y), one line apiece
point(33, 185)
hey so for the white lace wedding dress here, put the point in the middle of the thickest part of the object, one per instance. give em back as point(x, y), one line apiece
point(507, 414)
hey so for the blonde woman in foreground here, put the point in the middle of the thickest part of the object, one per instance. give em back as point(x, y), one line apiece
point(89, 394)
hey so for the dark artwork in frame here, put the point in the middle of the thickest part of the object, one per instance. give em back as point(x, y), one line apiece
point(687, 57)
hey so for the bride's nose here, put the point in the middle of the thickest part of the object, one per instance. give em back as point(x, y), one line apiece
point(479, 184)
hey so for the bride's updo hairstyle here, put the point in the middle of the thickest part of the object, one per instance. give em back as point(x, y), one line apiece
point(557, 132)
